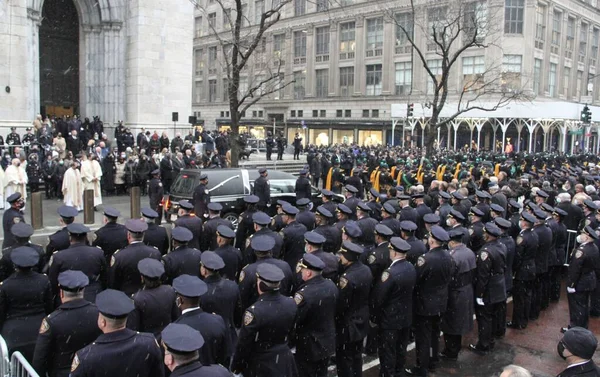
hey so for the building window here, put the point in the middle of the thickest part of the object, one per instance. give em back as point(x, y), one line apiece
point(323, 113)
point(322, 83)
point(227, 21)
point(212, 20)
point(278, 45)
point(198, 27)
point(475, 21)
point(365, 113)
point(299, 80)
point(198, 58)
point(315, 113)
point(322, 40)
point(436, 23)
point(300, 113)
point(222, 114)
point(339, 113)
point(300, 44)
point(375, 113)
point(435, 66)
point(322, 5)
point(299, 7)
point(212, 90)
point(292, 113)
point(375, 33)
point(254, 113)
point(552, 80)
point(403, 78)
point(347, 113)
point(578, 84)
point(346, 81)
point(404, 26)
point(243, 86)
point(225, 90)
point(583, 35)
point(198, 88)
point(244, 15)
point(537, 75)
point(260, 114)
point(566, 80)
point(595, 41)
point(570, 33)
point(259, 10)
point(275, 4)
point(514, 11)
point(556, 27)
point(373, 79)
point(347, 42)
point(540, 22)
point(212, 57)
point(511, 71)
point(473, 69)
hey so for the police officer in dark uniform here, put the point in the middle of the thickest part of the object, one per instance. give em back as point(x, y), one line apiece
point(232, 256)
point(112, 236)
point(417, 247)
point(123, 273)
point(192, 222)
point(314, 335)
point(293, 237)
point(223, 295)
point(262, 348)
point(79, 256)
point(60, 239)
point(262, 246)
point(561, 236)
point(589, 213)
point(209, 228)
point(13, 138)
point(541, 262)
point(201, 198)
point(511, 246)
point(314, 241)
point(434, 272)
point(156, 235)
point(155, 194)
point(217, 349)
point(476, 229)
point(374, 204)
point(581, 278)
point(155, 304)
point(26, 298)
point(352, 313)
point(391, 308)
point(356, 182)
point(328, 202)
point(422, 210)
point(351, 200)
point(430, 220)
point(261, 228)
point(277, 222)
point(72, 326)
point(378, 259)
point(305, 216)
point(524, 271)
point(22, 233)
point(245, 224)
point(444, 206)
point(104, 357)
point(490, 290)
point(303, 188)
point(515, 217)
point(454, 220)
point(183, 259)
point(577, 348)
point(458, 319)
point(270, 143)
point(388, 214)
point(367, 224)
point(333, 236)
point(12, 215)
point(262, 189)
point(182, 345)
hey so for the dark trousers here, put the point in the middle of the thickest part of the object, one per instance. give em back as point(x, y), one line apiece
point(348, 358)
point(536, 297)
point(392, 351)
point(521, 302)
point(555, 273)
point(307, 368)
point(49, 188)
point(486, 323)
point(427, 338)
point(452, 344)
point(315, 180)
point(545, 293)
point(595, 302)
point(280, 153)
point(296, 153)
point(500, 320)
point(579, 309)
point(269, 151)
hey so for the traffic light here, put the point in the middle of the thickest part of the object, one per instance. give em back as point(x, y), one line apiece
point(409, 110)
point(586, 115)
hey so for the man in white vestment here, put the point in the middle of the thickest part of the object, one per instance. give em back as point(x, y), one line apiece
point(91, 172)
point(15, 180)
point(72, 187)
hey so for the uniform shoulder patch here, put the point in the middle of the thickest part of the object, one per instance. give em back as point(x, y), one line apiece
point(16, 220)
point(112, 261)
point(299, 298)
point(75, 363)
point(420, 261)
point(483, 255)
point(242, 276)
point(471, 231)
point(248, 318)
point(385, 276)
point(343, 282)
point(519, 240)
point(44, 327)
point(578, 254)
point(371, 259)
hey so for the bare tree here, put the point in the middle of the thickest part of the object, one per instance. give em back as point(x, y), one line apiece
point(448, 31)
point(243, 45)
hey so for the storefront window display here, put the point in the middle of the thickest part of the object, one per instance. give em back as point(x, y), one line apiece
point(291, 134)
point(343, 137)
point(256, 132)
point(319, 136)
point(370, 137)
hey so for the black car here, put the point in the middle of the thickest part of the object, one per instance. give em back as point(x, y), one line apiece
point(229, 186)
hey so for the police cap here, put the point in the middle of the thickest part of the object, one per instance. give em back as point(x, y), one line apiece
point(389, 208)
point(72, 280)
point(225, 232)
point(383, 230)
point(492, 229)
point(262, 244)
point(497, 208)
point(374, 192)
point(351, 188)
point(560, 212)
point(185, 204)
point(445, 195)
point(541, 215)
point(303, 172)
point(482, 194)
point(289, 209)
point(344, 209)
point(251, 199)
point(457, 215)
point(351, 247)
point(399, 245)
point(22, 230)
point(547, 207)
point(181, 339)
point(281, 203)
point(363, 207)
point(418, 195)
point(111, 212)
point(302, 202)
point(262, 170)
point(212, 261)
point(403, 197)
point(542, 194)
point(513, 203)
point(182, 234)
point(439, 233)
point(457, 195)
point(24, 256)
point(14, 197)
point(312, 262)
point(590, 232)
point(580, 342)
point(269, 272)
point(528, 217)
point(590, 204)
point(326, 192)
point(455, 234)
point(261, 218)
point(477, 212)
point(149, 213)
point(114, 304)
point(324, 212)
point(408, 226)
point(502, 222)
point(203, 177)
point(189, 286)
point(215, 207)
point(352, 229)
point(314, 238)
point(67, 212)
point(77, 229)
point(136, 226)
point(431, 218)
point(151, 268)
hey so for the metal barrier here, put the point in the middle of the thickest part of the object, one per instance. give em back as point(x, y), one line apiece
point(4, 361)
point(20, 367)
point(571, 244)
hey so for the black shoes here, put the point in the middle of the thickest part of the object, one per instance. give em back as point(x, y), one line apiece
point(478, 350)
point(445, 356)
point(513, 325)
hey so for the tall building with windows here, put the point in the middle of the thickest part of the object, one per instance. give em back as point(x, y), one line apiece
point(350, 60)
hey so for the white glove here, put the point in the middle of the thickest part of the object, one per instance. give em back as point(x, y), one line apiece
point(238, 375)
point(480, 301)
point(570, 290)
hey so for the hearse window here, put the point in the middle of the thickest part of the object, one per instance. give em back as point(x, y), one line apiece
point(184, 184)
point(282, 186)
point(233, 186)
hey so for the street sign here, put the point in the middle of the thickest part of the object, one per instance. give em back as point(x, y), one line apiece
point(578, 132)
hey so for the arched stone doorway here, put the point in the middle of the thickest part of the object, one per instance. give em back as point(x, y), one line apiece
point(59, 58)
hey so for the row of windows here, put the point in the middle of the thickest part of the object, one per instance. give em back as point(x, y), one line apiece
point(373, 113)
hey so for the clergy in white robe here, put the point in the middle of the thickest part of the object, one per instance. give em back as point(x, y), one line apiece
point(91, 173)
point(72, 187)
point(15, 180)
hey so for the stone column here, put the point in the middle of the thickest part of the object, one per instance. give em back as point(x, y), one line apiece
point(387, 74)
point(334, 55)
point(359, 57)
point(289, 64)
point(310, 61)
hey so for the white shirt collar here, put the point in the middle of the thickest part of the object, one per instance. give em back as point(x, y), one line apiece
point(577, 364)
point(189, 310)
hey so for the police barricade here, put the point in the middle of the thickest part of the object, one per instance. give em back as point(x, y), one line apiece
point(20, 367)
point(5, 361)
point(571, 244)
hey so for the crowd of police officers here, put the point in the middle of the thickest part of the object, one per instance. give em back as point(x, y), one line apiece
point(281, 296)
